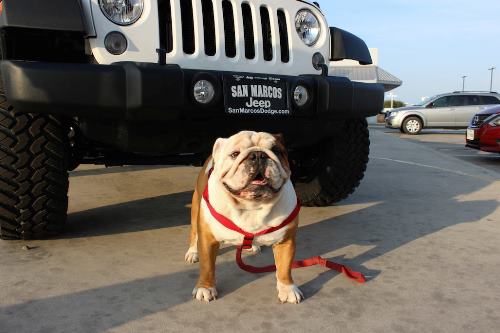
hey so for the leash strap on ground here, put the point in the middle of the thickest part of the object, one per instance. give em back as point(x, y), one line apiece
point(357, 276)
point(249, 237)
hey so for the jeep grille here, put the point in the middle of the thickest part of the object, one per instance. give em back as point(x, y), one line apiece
point(230, 15)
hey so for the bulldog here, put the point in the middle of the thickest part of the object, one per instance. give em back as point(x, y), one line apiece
point(248, 178)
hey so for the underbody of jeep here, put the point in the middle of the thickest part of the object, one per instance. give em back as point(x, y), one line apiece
point(157, 81)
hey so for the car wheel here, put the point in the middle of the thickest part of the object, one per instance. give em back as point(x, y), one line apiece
point(412, 125)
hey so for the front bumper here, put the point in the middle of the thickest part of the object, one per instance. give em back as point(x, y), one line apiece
point(473, 143)
point(149, 108)
point(150, 92)
point(486, 138)
point(394, 121)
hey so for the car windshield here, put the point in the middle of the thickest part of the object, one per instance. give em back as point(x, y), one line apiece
point(425, 100)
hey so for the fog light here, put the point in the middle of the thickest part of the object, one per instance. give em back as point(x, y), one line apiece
point(115, 42)
point(204, 92)
point(301, 96)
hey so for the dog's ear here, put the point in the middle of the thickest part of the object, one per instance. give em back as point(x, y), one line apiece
point(219, 144)
point(280, 138)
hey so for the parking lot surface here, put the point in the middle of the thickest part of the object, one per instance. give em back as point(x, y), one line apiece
point(424, 226)
point(449, 142)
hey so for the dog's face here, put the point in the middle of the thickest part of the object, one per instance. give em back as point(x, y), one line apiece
point(252, 166)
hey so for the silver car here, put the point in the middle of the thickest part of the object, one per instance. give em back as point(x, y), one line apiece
point(454, 110)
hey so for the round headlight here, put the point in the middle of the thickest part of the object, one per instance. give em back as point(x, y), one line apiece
point(204, 91)
point(308, 27)
point(122, 12)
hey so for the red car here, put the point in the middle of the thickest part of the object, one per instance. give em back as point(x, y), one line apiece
point(484, 131)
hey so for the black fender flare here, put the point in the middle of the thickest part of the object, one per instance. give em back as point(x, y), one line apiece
point(65, 15)
point(345, 45)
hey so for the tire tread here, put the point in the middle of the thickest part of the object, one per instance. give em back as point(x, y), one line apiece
point(33, 174)
point(339, 173)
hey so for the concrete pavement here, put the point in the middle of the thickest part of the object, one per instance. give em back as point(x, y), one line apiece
point(449, 142)
point(424, 225)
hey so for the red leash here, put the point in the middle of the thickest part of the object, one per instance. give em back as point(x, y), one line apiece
point(249, 237)
point(313, 261)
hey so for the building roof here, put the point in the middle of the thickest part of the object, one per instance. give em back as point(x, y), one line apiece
point(371, 74)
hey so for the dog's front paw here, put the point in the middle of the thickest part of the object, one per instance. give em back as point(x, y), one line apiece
point(289, 293)
point(205, 294)
point(191, 256)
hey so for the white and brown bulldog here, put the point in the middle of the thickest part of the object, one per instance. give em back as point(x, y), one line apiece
point(248, 179)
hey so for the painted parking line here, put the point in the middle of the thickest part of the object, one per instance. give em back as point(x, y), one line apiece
point(457, 172)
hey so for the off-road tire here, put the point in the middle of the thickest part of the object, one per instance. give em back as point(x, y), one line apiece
point(33, 174)
point(339, 166)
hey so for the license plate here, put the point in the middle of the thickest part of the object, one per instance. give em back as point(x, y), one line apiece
point(253, 95)
point(471, 134)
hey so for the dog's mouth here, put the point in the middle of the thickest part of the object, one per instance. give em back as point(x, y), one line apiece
point(259, 179)
point(258, 187)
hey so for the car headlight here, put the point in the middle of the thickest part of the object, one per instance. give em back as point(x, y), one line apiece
point(308, 27)
point(495, 121)
point(122, 12)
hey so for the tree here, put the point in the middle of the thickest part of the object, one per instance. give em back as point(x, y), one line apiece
point(397, 104)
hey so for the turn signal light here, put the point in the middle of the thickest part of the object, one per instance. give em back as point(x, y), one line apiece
point(301, 96)
point(116, 43)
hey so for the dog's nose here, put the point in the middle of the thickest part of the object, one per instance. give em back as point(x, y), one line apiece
point(257, 156)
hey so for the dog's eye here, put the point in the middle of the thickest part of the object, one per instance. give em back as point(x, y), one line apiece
point(276, 151)
point(235, 154)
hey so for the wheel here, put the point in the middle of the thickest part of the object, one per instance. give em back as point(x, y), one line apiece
point(331, 171)
point(412, 125)
point(33, 174)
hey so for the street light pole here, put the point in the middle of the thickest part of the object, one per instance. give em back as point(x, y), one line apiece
point(463, 82)
point(392, 96)
point(491, 80)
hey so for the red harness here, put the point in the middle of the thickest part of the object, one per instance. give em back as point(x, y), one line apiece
point(249, 237)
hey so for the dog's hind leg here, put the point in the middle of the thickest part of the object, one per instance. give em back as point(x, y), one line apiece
point(192, 253)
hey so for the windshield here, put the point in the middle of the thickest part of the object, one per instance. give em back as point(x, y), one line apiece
point(425, 100)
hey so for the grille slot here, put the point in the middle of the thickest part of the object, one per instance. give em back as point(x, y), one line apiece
point(209, 27)
point(165, 21)
point(229, 30)
point(187, 18)
point(267, 38)
point(248, 31)
point(283, 28)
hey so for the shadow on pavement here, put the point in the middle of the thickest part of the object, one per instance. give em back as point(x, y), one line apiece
point(146, 214)
point(111, 170)
point(407, 214)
